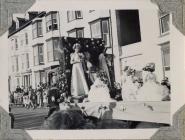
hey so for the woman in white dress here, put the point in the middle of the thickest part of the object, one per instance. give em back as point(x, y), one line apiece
point(78, 82)
point(128, 88)
point(151, 90)
point(99, 91)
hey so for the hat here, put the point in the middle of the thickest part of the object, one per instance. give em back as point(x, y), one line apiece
point(129, 72)
point(149, 67)
point(76, 45)
point(126, 68)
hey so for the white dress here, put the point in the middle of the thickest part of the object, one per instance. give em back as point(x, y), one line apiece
point(129, 90)
point(99, 92)
point(78, 82)
point(151, 91)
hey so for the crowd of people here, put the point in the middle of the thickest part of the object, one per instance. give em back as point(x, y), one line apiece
point(29, 97)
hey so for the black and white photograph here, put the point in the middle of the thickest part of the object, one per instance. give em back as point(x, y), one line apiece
point(89, 69)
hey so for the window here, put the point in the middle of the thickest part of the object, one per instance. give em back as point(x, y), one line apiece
point(96, 30)
point(164, 23)
point(21, 42)
point(72, 33)
point(78, 14)
point(77, 32)
point(18, 82)
point(105, 32)
point(12, 44)
point(80, 33)
point(27, 61)
point(166, 56)
point(38, 54)
point(39, 77)
point(42, 77)
point(129, 27)
point(100, 29)
point(26, 38)
point(72, 15)
point(37, 29)
point(51, 21)
point(52, 52)
point(23, 61)
point(16, 44)
point(55, 46)
point(13, 63)
point(17, 63)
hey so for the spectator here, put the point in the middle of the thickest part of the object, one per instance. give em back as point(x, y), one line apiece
point(39, 96)
point(18, 89)
point(32, 98)
point(45, 99)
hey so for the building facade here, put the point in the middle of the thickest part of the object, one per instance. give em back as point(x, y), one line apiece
point(133, 40)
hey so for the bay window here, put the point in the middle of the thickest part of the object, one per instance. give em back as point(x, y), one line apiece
point(37, 29)
point(100, 29)
point(164, 24)
point(52, 53)
point(38, 54)
point(51, 21)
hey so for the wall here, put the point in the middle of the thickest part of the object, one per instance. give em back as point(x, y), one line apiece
point(137, 55)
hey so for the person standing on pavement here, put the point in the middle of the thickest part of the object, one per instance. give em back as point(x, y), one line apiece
point(32, 98)
point(39, 96)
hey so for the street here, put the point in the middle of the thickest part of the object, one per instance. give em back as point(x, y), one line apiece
point(28, 118)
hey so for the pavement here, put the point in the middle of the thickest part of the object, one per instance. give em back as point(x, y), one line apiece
point(28, 118)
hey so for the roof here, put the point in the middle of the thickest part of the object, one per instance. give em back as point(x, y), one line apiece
point(23, 23)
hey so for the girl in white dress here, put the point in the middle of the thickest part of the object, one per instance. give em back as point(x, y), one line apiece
point(128, 87)
point(151, 90)
point(99, 91)
point(78, 83)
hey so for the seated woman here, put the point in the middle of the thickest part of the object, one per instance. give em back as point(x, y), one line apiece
point(152, 90)
point(99, 91)
point(129, 90)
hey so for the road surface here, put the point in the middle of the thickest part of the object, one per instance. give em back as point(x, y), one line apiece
point(28, 118)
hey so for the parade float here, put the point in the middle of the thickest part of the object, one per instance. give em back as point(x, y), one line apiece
point(137, 111)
